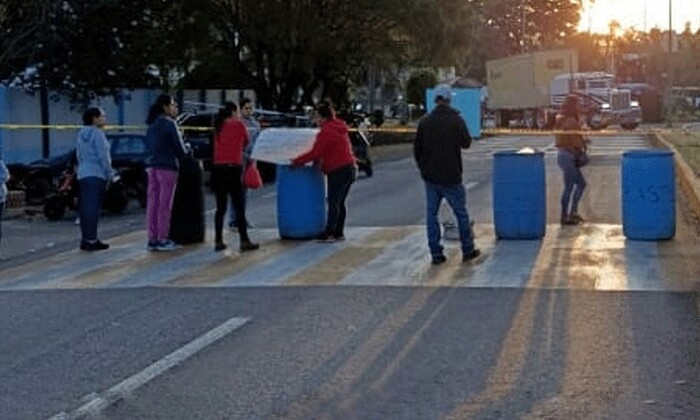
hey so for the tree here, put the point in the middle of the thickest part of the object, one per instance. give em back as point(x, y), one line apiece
point(509, 27)
point(417, 85)
point(295, 48)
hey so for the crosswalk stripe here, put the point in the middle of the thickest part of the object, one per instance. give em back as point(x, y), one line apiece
point(278, 270)
point(61, 264)
point(73, 264)
point(588, 257)
point(402, 260)
point(231, 263)
point(335, 267)
point(167, 267)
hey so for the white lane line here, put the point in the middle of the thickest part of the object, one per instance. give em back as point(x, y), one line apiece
point(99, 402)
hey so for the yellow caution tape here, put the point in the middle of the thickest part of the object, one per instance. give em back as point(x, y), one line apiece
point(78, 127)
point(394, 130)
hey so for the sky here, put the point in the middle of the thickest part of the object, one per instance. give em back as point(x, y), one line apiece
point(640, 14)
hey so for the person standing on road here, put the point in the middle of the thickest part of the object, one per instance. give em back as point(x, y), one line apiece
point(570, 146)
point(253, 128)
point(4, 177)
point(230, 139)
point(439, 138)
point(167, 150)
point(333, 150)
point(94, 171)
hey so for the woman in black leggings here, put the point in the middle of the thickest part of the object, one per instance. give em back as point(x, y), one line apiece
point(230, 137)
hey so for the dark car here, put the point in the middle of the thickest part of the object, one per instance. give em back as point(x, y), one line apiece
point(198, 130)
point(130, 152)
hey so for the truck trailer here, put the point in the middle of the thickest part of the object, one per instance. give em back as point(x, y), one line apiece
point(528, 89)
point(519, 86)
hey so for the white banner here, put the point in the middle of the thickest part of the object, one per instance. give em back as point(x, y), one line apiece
point(281, 145)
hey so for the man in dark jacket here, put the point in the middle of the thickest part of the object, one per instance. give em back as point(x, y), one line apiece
point(437, 148)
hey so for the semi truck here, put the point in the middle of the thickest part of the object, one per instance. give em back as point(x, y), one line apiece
point(528, 89)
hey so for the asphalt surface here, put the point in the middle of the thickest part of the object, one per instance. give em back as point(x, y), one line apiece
point(582, 324)
point(354, 352)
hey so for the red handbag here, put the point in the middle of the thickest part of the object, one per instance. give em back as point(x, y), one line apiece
point(251, 176)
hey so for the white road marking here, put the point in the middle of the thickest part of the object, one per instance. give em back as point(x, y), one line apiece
point(398, 264)
point(279, 269)
point(98, 403)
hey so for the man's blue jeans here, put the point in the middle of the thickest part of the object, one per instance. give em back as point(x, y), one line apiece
point(455, 194)
point(92, 192)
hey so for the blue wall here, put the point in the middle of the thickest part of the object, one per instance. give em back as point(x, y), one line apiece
point(468, 102)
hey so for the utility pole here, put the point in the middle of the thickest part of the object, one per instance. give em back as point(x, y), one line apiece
point(522, 32)
point(669, 78)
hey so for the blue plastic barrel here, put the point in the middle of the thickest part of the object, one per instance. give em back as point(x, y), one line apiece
point(648, 195)
point(301, 202)
point(519, 195)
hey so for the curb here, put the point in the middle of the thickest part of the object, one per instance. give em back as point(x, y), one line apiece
point(686, 176)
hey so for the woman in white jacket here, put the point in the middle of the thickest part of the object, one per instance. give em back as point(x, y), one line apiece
point(94, 172)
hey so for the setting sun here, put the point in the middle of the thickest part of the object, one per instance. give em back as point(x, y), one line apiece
point(642, 15)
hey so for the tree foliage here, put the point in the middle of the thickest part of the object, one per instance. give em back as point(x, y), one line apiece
point(418, 83)
point(296, 51)
point(509, 27)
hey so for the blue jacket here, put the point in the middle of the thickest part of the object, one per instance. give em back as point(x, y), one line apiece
point(167, 148)
point(92, 151)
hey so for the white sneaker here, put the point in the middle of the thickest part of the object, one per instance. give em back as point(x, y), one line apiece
point(167, 245)
point(77, 220)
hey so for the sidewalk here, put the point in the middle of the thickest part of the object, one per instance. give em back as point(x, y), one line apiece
point(687, 170)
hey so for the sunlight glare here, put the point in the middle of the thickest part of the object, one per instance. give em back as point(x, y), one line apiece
point(642, 15)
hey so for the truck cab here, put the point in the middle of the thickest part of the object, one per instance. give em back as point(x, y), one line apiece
point(602, 103)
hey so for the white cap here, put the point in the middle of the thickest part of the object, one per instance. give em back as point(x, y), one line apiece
point(442, 91)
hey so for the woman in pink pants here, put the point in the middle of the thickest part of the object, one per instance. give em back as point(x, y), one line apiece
point(167, 150)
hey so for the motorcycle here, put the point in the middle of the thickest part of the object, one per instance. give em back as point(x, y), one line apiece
point(66, 196)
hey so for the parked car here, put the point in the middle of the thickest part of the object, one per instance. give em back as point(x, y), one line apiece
point(197, 132)
point(198, 128)
point(130, 152)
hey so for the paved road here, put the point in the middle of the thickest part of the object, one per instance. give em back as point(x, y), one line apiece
point(582, 324)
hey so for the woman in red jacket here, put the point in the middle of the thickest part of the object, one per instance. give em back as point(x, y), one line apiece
point(230, 137)
point(333, 150)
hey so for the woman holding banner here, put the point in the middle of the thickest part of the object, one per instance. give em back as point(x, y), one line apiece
point(333, 150)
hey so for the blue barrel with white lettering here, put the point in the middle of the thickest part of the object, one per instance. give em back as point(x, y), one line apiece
point(648, 195)
point(301, 202)
point(519, 195)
